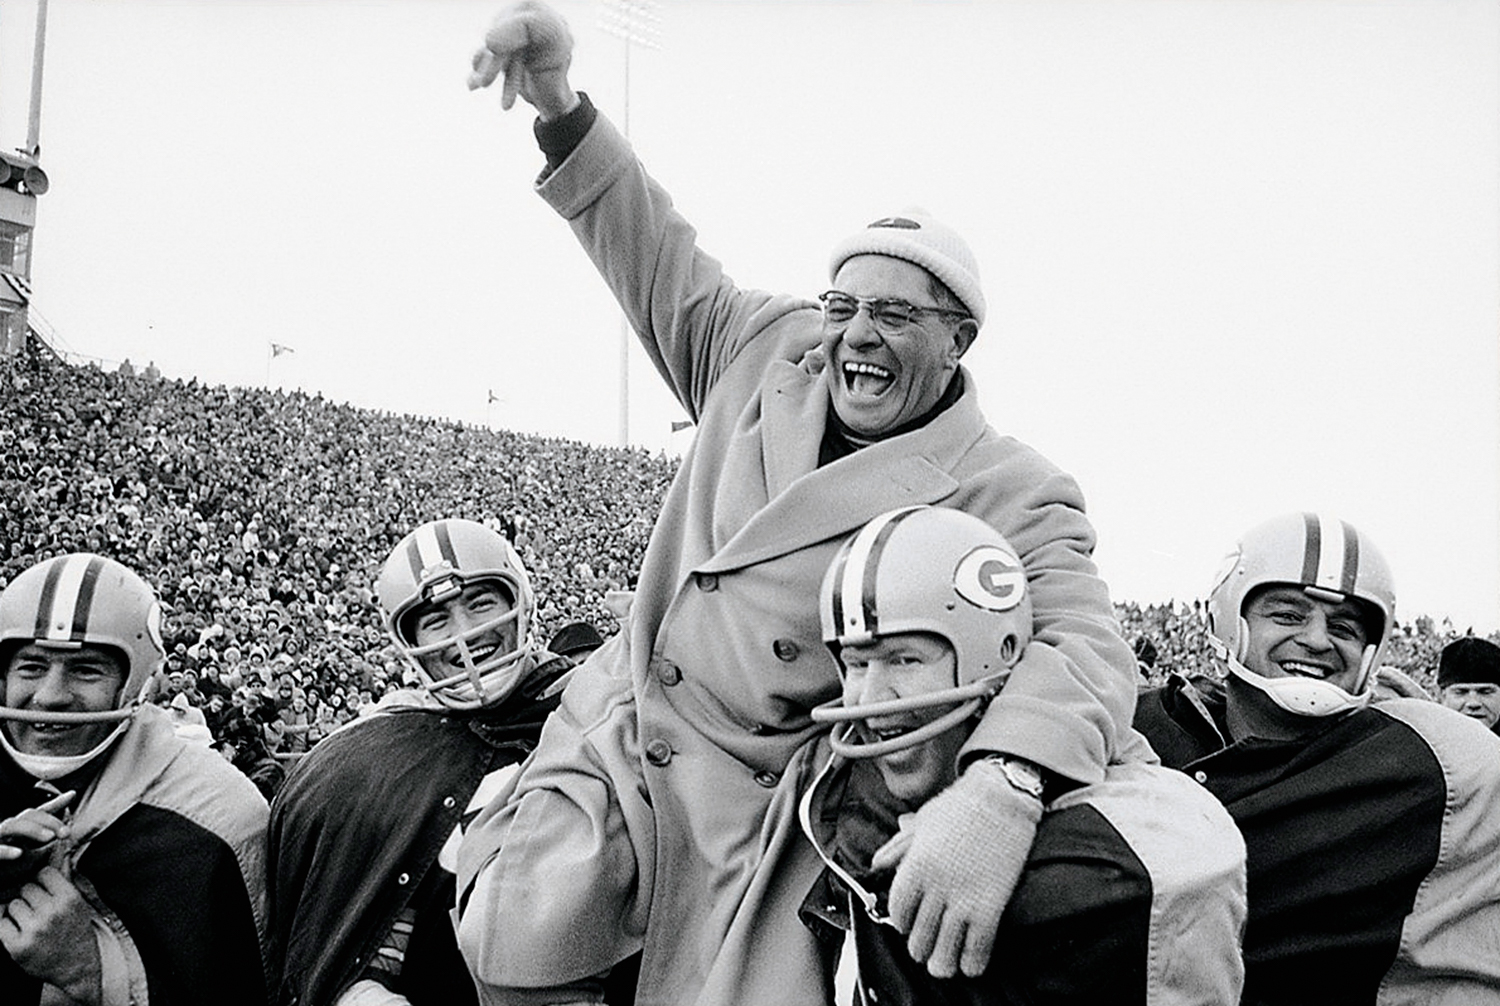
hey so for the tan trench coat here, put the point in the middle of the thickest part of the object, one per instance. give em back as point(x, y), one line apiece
point(665, 788)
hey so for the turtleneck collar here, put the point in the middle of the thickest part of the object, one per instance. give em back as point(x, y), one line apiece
point(840, 441)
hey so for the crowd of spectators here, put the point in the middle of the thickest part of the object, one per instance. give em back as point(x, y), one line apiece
point(261, 517)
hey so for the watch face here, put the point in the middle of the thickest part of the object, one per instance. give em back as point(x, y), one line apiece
point(1024, 777)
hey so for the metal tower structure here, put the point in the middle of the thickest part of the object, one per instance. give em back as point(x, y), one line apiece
point(637, 22)
point(21, 181)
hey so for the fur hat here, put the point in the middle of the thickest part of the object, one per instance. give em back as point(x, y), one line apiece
point(1469, 660)
point(575, 637)
point(916, 237)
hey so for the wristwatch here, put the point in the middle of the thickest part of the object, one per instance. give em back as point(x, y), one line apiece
point(1023, 775)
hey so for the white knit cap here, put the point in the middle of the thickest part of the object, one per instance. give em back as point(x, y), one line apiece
point(917, 238)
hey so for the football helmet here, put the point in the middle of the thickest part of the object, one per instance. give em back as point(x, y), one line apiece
point(71, 600)
point(78, 598)
point(434, 564)
point(1331, 560)
point(934, 570)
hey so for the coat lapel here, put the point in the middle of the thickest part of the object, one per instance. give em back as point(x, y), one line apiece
point(793, 412)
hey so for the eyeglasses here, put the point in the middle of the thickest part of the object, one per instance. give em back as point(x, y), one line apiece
point(890, 315)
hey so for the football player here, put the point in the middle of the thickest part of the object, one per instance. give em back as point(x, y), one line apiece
point(364, 833)
point(1134, 887)
point(1372, 829)
point(131, 861)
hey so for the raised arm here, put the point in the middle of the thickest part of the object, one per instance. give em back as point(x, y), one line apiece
point(691, 319)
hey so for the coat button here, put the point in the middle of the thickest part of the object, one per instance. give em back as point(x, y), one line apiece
point(786, 649)
point(449, 802)
point(708, 582)
point(668, 673)
point(1201, 776)
point(766, 779)
point(404, 879)
point(658, 752)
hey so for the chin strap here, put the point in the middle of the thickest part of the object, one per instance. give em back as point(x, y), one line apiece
point(1305, 696)
point(50, 767)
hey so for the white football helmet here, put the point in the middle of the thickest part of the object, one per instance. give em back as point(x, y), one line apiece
point(435, 563)
point(1328, 558)
point(77, 599)
point(934, 570)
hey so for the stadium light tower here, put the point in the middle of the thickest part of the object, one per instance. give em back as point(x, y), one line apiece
point(21, 181)
point(637, 22)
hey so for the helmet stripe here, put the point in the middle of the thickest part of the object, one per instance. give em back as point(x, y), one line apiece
point(85, 603)
point(1332, 569)
point(836, 600)
point(63, 611)
point(1331, 559)
point(445, 544)
point(44, 605)
point(857, 580)
point(1312, 547)
point(430, 545)
point(1351, 558)
point(414, 559)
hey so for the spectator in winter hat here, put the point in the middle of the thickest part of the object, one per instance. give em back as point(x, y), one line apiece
point(1469, 679)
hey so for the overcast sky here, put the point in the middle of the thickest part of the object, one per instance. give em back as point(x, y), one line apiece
point(1242, 257)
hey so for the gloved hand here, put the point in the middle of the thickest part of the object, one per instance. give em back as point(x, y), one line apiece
point(957, 861)
point(530, 44)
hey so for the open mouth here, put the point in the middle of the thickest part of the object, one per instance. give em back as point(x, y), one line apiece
point(889, 731)
point(478, 654)
point(52, 728)
point(1302, 670)
point(866, 378)
point(52, 737)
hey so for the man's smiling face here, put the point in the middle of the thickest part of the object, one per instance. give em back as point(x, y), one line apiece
point(1293, 633)
point(878, 381)
point(47, 678)
point(897, 666)
point(467, 616)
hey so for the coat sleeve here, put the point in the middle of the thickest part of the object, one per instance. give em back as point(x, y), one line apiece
point(690, 317)
point(567, 849)
point(1069, 701)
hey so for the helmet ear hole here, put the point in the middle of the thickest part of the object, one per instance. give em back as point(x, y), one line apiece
point(1242, 640)
point(1009, 649)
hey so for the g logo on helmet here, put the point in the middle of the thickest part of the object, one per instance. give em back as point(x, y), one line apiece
point(991, 578)
point(153, 626)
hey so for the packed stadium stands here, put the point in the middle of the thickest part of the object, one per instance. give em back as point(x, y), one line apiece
point(261, 517)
